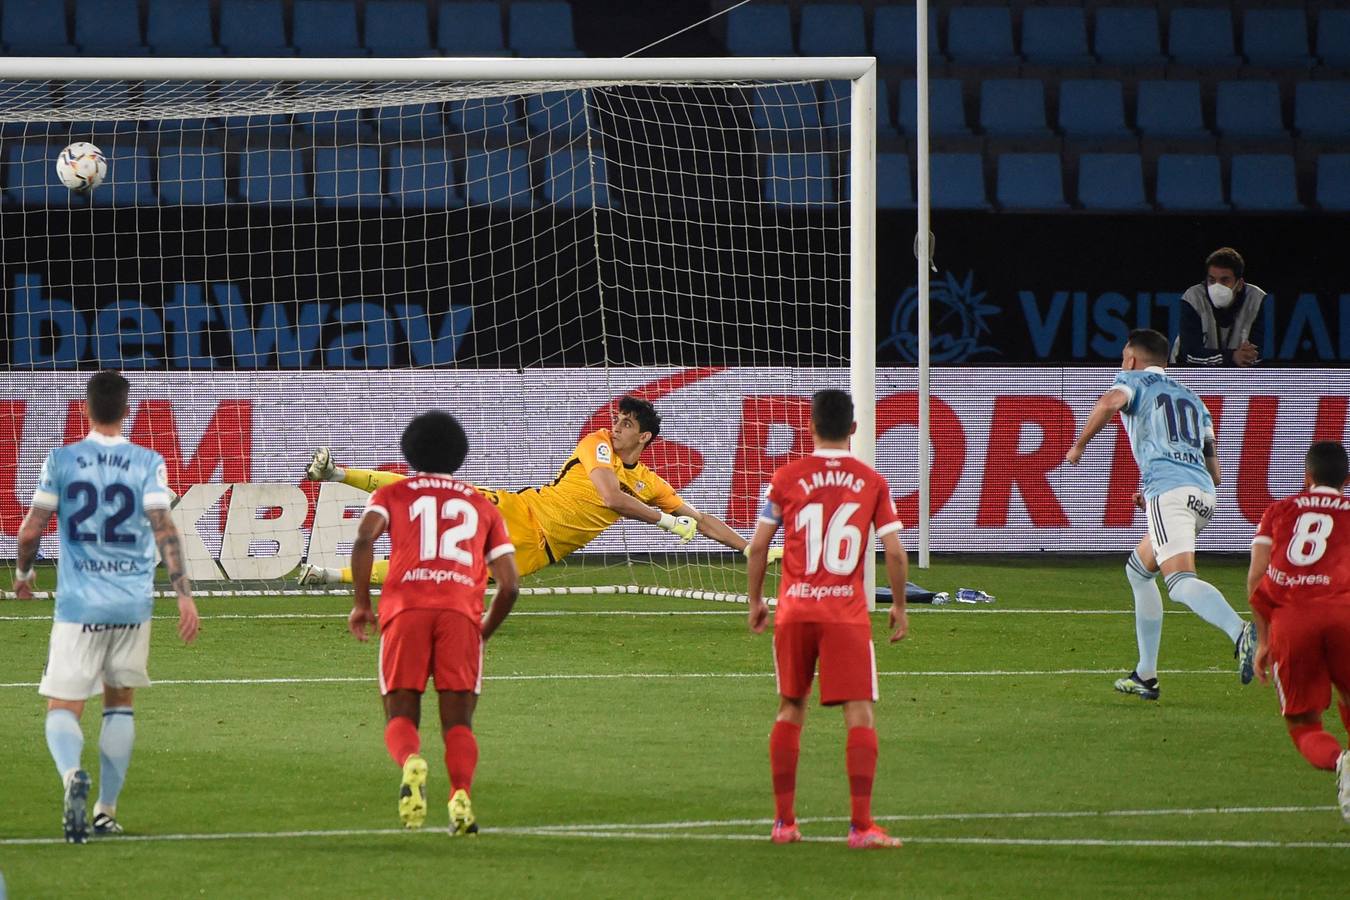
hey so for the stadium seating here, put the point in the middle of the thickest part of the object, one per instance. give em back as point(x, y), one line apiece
point(1030, 181)
point(498, 178)
point(1333, 182)
point(1092, 109)
point(1202, 37)
point(760, 30)
point(981, 35)
point(326, 28)
point(272, 176)
point(946, 108)
point(98, 97)
point(1190, 182)
point(559, 114)
point(1264, 182)
point(957, 181)
point(893, 35)
point(1249, 109)
point(129, 182)
point(19, 95)
point(174, 28)
point(893, 186)
point(175, 130)
point(421, 121)
point(1320, 110)
point(785, 107)
point(1013, 107)
point(1170, 109)
point(253, 28)
point(333, 126)
point(796, 179)
point(570, 184)
point(348, 177)
point(28, 175)
point(471, 29)
point(1333, 37)
point(1128, 36)
point(192, 176)
point(1276, 38)
point(542, 28)
point(35, 28)
point(838, 107)
point(833, 30)
point(397, 28)
point(492, 119)
point(423, 177)
point(1111, 182)
point(108, 28)
point(1055, 36)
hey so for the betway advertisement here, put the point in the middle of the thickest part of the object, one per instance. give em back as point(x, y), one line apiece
point(236, 445)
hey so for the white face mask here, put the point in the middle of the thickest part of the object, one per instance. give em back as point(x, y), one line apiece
point(1221, 295)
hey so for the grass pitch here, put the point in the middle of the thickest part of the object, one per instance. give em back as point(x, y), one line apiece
point(624, 753)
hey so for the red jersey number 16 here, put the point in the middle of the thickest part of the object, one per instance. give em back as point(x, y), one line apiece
point(839, 545)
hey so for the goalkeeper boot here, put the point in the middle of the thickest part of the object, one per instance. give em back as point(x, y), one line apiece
point(1343, 784)
point(1144, 689)
point(75, 814)
point(321, 467)
point(784, 833)
point(1245, 653)
point(462, 820)
point(412, 793)
point(312, 575)
point(105, 825)
point(871, 838)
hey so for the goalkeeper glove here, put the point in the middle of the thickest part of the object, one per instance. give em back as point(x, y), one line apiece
point(775, 553)
point(683, 527)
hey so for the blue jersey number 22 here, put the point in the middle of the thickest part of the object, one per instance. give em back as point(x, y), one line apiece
point(114, 494)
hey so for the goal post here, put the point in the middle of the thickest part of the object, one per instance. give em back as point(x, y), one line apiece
point(295, 252)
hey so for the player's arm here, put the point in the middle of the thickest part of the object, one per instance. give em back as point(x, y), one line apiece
point(758, 553)
point(171, 552)
point(1112, 402)
point(30, 536)
point(508, 589)
point(897, 571)
point(612, 495)
point(1256, 572)
point(363, 557)
point(1212, 461)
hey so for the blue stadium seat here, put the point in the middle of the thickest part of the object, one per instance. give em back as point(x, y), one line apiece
point(1333, 181)
point(1202, 37)
point(1013, 107)
point(1055, 36)
point(397, 28)
point(32, 96)
point(1333, 37)
point(1128, 36)
point(1092, 109)
point(192, 176)
point(1249, 109)
point(348, 177)
point(893, 36)
point(893, 188)
point(957, 181)
point(423, 177)
point(326, 28)
point(832, 30)
point(838, 107)
point(174, 28)
point(416, 122)
point(1190, 181)
point(1170, 109)
point(29, 177)
point(471, 29)
point(570, 183)
point(1111, 181)
point(35, 28)
point(339, 126)
point(1320, 109)
point(542, 28)
point(128, 182)
point(981, 35)
point(1277, 38)
point(785, 107)
point(95, 98)
point(273, 176)
point(174, 131)
point(1265, 182)
point(1030, 181)
point(797, 179)
point(253, 28)
point(760, 30)
point(109, 28)
point(493, 118)
point(272, 129)
point(946, 108)
point(498, 178)
point(560, 114)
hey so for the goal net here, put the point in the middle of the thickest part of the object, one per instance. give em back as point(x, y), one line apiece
point(286, 262)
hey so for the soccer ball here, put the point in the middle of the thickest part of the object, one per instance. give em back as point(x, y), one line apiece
point(81, 167)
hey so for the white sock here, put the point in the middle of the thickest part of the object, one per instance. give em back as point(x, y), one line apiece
point(1206, 602)
point(1148, 615)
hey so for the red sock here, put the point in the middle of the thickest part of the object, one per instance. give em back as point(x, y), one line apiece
point(461, 757)
point(861, 753)
point(1317, 747)
point(401, 738)
point(785, 743)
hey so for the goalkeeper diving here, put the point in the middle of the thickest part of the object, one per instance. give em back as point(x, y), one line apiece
point(604, 480)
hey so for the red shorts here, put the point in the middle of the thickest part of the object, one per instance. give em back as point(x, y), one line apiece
point(420, 643)
point(848, 662)
point(1310, 651)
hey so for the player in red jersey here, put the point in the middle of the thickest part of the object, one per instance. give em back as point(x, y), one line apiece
point(444, 536)
point(828, 501)
point(1299, 584)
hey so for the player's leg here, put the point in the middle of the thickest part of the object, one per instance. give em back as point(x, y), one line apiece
point(1141, 570)
point(1303, 683)
point(322, 467)
point(116, 738)
point(310, 574)
point(405, 662)
point(795, 650)
point(74, 661)
point(1336, 654)
point(459, 678)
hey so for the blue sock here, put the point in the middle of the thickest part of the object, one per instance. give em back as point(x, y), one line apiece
point(1206, 602)
point(114, 753)
point(1148, 615)
point(65, 740)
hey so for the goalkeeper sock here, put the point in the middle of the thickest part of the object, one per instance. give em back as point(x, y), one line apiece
point(65, 740)
point(784, 748)
point(461, 758)
point(861, 754)
point(1148, 615)
point(1206, 602)
point(1317, 747)
point(115, 741)
point(401, 739)
point(369, 480)
point(379, 571)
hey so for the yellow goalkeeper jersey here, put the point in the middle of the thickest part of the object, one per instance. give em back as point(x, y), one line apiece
point(569, 510)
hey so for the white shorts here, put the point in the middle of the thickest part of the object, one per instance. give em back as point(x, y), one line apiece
point(1175, 517)
point(82, 659)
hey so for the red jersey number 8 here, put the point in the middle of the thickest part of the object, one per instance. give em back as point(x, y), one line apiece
point(1309, 543)
point(423, 511)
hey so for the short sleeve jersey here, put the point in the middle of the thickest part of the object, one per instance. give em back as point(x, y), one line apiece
point(1309, 539)
point(442, 535)
point(827, 502)
point(100, 489)
point(1168, 426)
point(570, 510)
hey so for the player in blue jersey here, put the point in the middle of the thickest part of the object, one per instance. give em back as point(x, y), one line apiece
point(1172, 437)
point(111, 498)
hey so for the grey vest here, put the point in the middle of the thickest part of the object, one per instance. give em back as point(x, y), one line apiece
point(1217, 337)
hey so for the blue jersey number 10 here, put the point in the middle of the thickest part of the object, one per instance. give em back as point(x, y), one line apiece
point(1183, 420)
